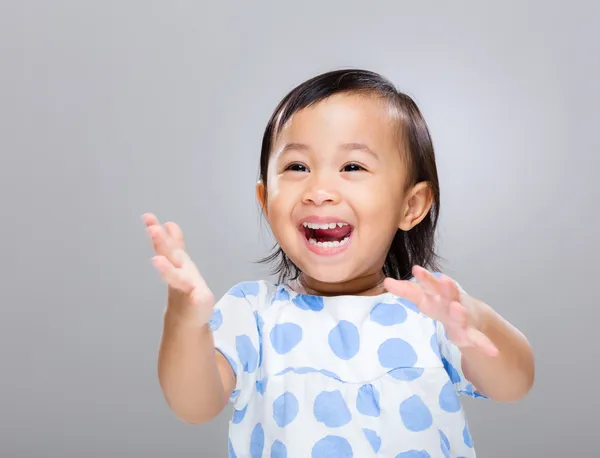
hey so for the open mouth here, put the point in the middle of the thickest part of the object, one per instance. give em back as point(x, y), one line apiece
point(327, 235)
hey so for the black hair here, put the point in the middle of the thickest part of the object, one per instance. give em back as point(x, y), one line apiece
point(408, 248)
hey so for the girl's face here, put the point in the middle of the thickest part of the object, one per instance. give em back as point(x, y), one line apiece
point(336, 191)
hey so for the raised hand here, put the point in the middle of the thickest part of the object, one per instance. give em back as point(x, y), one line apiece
point(441, 300)
point(188, 292)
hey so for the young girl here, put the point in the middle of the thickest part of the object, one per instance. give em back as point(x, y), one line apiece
point(358, 351)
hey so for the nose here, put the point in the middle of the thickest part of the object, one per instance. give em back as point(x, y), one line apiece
point(318, 192)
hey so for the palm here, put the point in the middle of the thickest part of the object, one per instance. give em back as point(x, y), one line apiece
point(441, 300)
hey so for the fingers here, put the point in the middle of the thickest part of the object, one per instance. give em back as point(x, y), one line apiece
point(431, 305)
point(176, 234)
point(482, 342)
point(442, 285)
point(457, 313)
point(448, 288)
point(427, 279)
point(172, 262)
point(150, 219)
point(163, 246)
point(405, 289)
point(171, 275)
point(439, 298)
point(465, 334)
point(167, 240)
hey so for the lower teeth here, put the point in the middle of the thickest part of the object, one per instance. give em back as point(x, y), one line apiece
point(329, 244)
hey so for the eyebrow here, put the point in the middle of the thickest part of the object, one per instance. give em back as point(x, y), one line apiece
point(345, 147)
point(294, 146)
point(359, 147)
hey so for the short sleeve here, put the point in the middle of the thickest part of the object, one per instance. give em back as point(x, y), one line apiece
point(234, 325)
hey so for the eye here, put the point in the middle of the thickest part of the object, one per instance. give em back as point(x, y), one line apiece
point(296, 167)
point(352, 167)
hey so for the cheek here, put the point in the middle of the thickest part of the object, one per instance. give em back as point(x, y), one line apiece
point(379, 205)
point(279, 204)
point(283, 192)
point(273, 195)
point(373, 193)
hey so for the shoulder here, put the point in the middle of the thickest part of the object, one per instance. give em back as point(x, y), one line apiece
point(258, 292)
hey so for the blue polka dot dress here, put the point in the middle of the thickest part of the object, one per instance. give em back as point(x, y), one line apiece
point(339, 377)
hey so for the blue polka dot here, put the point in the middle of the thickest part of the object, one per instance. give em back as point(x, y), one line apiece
point(452, 373)
point(285, 336)
point(244, 289)
point(407, 374)
point(408, 304)
point(247, 353)
point(285, 409)
point(231, 361)
point(238, 415)
point(448, 398)
point(257, 441)
point(230, 449)
point(467, 436)
point(435, 345)
point(445, 445)
point(234, 394)
point(415, 414)
point(281, 295)
point(331, 409)
point(388, 314)
point(394, 353)
point(261, 385)
point(414, 454)
point(344, 340)
point(278, 450)
point(367, 401)
point(332, 447)
point(373, 439)
point(306, 302)
point(216, 320)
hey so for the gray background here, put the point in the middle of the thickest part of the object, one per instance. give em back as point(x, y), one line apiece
point(110, 109)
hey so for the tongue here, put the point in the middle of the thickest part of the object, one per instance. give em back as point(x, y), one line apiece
point(331, 235)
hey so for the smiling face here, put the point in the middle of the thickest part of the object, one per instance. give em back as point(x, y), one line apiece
point(337, 192)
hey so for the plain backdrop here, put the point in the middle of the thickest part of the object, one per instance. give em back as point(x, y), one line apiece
point(110, 109)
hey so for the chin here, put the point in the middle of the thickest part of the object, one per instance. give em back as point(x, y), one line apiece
point(327, 273)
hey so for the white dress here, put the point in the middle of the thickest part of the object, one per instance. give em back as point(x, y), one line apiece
point(339, 377)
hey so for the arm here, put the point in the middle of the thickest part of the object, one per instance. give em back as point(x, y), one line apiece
point(196, 380)
point(478, 347)
point(508, 376)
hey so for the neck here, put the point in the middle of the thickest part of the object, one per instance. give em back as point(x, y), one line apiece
point(368, 285)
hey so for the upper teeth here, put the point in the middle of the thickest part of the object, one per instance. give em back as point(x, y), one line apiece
point(324, 225)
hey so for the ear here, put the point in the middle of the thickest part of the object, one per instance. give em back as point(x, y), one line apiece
point(261, 196)
point(417, 204)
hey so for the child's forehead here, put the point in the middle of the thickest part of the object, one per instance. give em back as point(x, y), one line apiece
point(346, 118)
